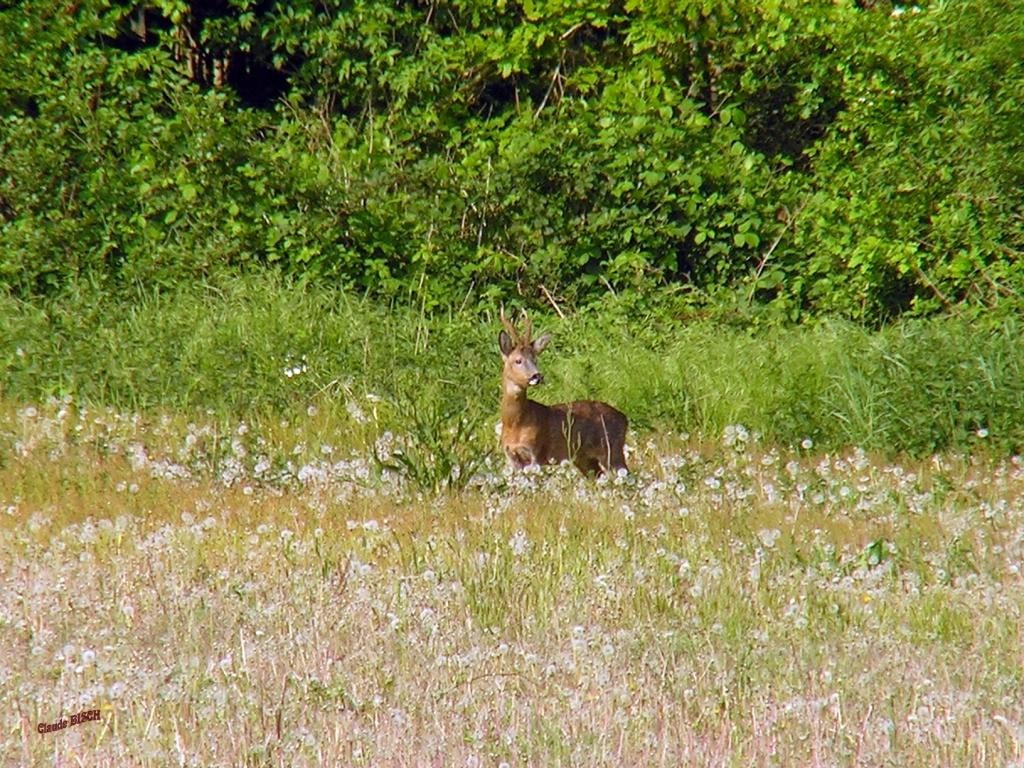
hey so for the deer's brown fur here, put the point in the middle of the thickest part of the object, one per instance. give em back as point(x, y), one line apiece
point(589, 433)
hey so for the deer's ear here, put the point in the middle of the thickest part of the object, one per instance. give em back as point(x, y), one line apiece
point(539, 344)
point(505, 343)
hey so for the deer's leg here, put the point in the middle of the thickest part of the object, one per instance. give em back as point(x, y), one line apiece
point(613, 458)
point(588, 465)
point(618, 457)
point(520, 456)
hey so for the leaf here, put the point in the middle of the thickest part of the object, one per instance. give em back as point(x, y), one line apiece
point(652, 178)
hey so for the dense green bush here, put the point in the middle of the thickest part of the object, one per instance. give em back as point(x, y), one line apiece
point(814, 158)
point(911, 205)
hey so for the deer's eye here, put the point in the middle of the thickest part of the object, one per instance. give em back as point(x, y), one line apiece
point(519, 361)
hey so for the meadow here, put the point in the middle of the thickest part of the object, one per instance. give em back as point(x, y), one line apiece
point(289, 591)
point(252, 259)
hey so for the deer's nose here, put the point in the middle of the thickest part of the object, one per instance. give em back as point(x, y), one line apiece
point(536, 379)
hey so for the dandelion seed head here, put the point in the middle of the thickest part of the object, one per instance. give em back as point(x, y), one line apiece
point(355, 412)
point(519, 543)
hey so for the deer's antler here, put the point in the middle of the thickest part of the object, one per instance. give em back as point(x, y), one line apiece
point(527, 329)
point(512, 332)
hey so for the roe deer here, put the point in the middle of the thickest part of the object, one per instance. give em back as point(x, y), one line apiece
point(589, 433)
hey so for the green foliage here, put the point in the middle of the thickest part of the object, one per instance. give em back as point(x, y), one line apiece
point(813, 158)
point(911, 205)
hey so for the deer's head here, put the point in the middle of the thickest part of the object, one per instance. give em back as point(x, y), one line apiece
point(519, 352)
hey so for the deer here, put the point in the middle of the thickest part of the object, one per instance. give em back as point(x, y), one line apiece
point(589, 433)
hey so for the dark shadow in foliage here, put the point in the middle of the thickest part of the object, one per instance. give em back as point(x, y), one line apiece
point(777, 129)
point(215, 49)
point(256, 83)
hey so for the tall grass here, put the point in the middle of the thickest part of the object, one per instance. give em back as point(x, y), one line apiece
point(258, 345)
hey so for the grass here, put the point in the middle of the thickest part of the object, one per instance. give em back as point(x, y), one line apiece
point(258, 348)
point(265, 593)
